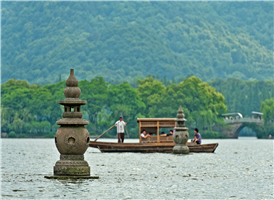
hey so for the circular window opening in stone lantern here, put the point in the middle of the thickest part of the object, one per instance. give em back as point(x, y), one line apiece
point(71, 140)
point(88, 140)
point(55, 140)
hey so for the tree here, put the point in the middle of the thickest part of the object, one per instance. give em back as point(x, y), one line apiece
point(95, 93)
point(5, 118)
point(150, 90)
point(267, 108)
point(201, 103)
point(124, 100)
point(17, 123)
point(41, 104)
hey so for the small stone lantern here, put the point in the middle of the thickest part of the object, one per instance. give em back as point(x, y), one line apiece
point(181, 135)
point(72, 138)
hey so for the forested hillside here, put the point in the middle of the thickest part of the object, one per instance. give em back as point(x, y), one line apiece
point(122, 40)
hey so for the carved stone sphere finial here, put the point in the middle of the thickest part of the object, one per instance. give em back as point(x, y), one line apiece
point(72, 91)
point(72, 81)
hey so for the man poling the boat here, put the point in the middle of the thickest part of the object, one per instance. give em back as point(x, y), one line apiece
point(120, 129)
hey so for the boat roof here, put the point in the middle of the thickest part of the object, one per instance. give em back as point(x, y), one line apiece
point(256, 113)
point(156, 119)
point(229, 114)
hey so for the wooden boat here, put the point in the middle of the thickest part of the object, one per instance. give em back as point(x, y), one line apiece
point(108, 147)
point(152, 144)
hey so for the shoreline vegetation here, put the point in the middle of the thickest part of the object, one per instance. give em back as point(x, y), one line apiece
point(30, 110)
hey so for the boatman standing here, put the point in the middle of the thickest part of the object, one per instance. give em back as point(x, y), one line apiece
point(120, 129)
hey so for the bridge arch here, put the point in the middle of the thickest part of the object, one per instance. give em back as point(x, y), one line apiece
point(236, 125)
point(238, 130)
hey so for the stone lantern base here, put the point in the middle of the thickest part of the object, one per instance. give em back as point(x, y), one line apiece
point(71, 177)
point(71, 167)
point(180, 149)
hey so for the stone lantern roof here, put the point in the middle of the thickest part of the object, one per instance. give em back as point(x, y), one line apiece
point(72, 104)
point(181, 120)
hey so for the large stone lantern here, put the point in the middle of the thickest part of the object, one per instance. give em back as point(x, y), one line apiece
point(72, 138)
point(181, 135)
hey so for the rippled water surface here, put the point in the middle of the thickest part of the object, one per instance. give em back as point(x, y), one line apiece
point(238, 169)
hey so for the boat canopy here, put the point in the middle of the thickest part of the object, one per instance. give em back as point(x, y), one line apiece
point(256, 113)
point(152, 125)
point(233, 114)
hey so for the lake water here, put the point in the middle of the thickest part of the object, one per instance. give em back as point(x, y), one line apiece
point(238, 169)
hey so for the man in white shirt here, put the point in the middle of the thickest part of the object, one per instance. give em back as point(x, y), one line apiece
point(144, 134)
point(120, 129)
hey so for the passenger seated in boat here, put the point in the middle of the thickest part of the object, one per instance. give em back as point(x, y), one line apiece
point(170, 133)
point(194, 139)
point(149, 133)
point(198, 139)
point(163, 134)
point(144, 134)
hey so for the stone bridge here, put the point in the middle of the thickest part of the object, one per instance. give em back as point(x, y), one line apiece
point(236, 125)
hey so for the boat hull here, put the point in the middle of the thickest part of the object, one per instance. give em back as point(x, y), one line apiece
point(108, 147)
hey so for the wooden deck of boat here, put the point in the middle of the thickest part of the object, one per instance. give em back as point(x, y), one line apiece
point(149, 147)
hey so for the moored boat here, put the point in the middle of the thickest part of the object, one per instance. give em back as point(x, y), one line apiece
point(152, 144)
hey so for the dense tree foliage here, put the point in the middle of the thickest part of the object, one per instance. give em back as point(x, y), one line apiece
point(243, 96)
point(33, 109)
point(201, 103)
point(122, 40)
point(267, 108)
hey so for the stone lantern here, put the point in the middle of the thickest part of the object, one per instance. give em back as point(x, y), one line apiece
point(72, 138)
point(181, 135)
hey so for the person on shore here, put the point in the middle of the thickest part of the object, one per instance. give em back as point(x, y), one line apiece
point(198, 139)
point(144, 134)
point(120, 129)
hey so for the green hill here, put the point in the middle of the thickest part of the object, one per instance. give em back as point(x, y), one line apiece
point(121, 40)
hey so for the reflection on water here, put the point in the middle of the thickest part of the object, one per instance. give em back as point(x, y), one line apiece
point(238, 169)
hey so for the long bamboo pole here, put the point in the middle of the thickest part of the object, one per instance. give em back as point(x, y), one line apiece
point(127, 132)
point(104, 133)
